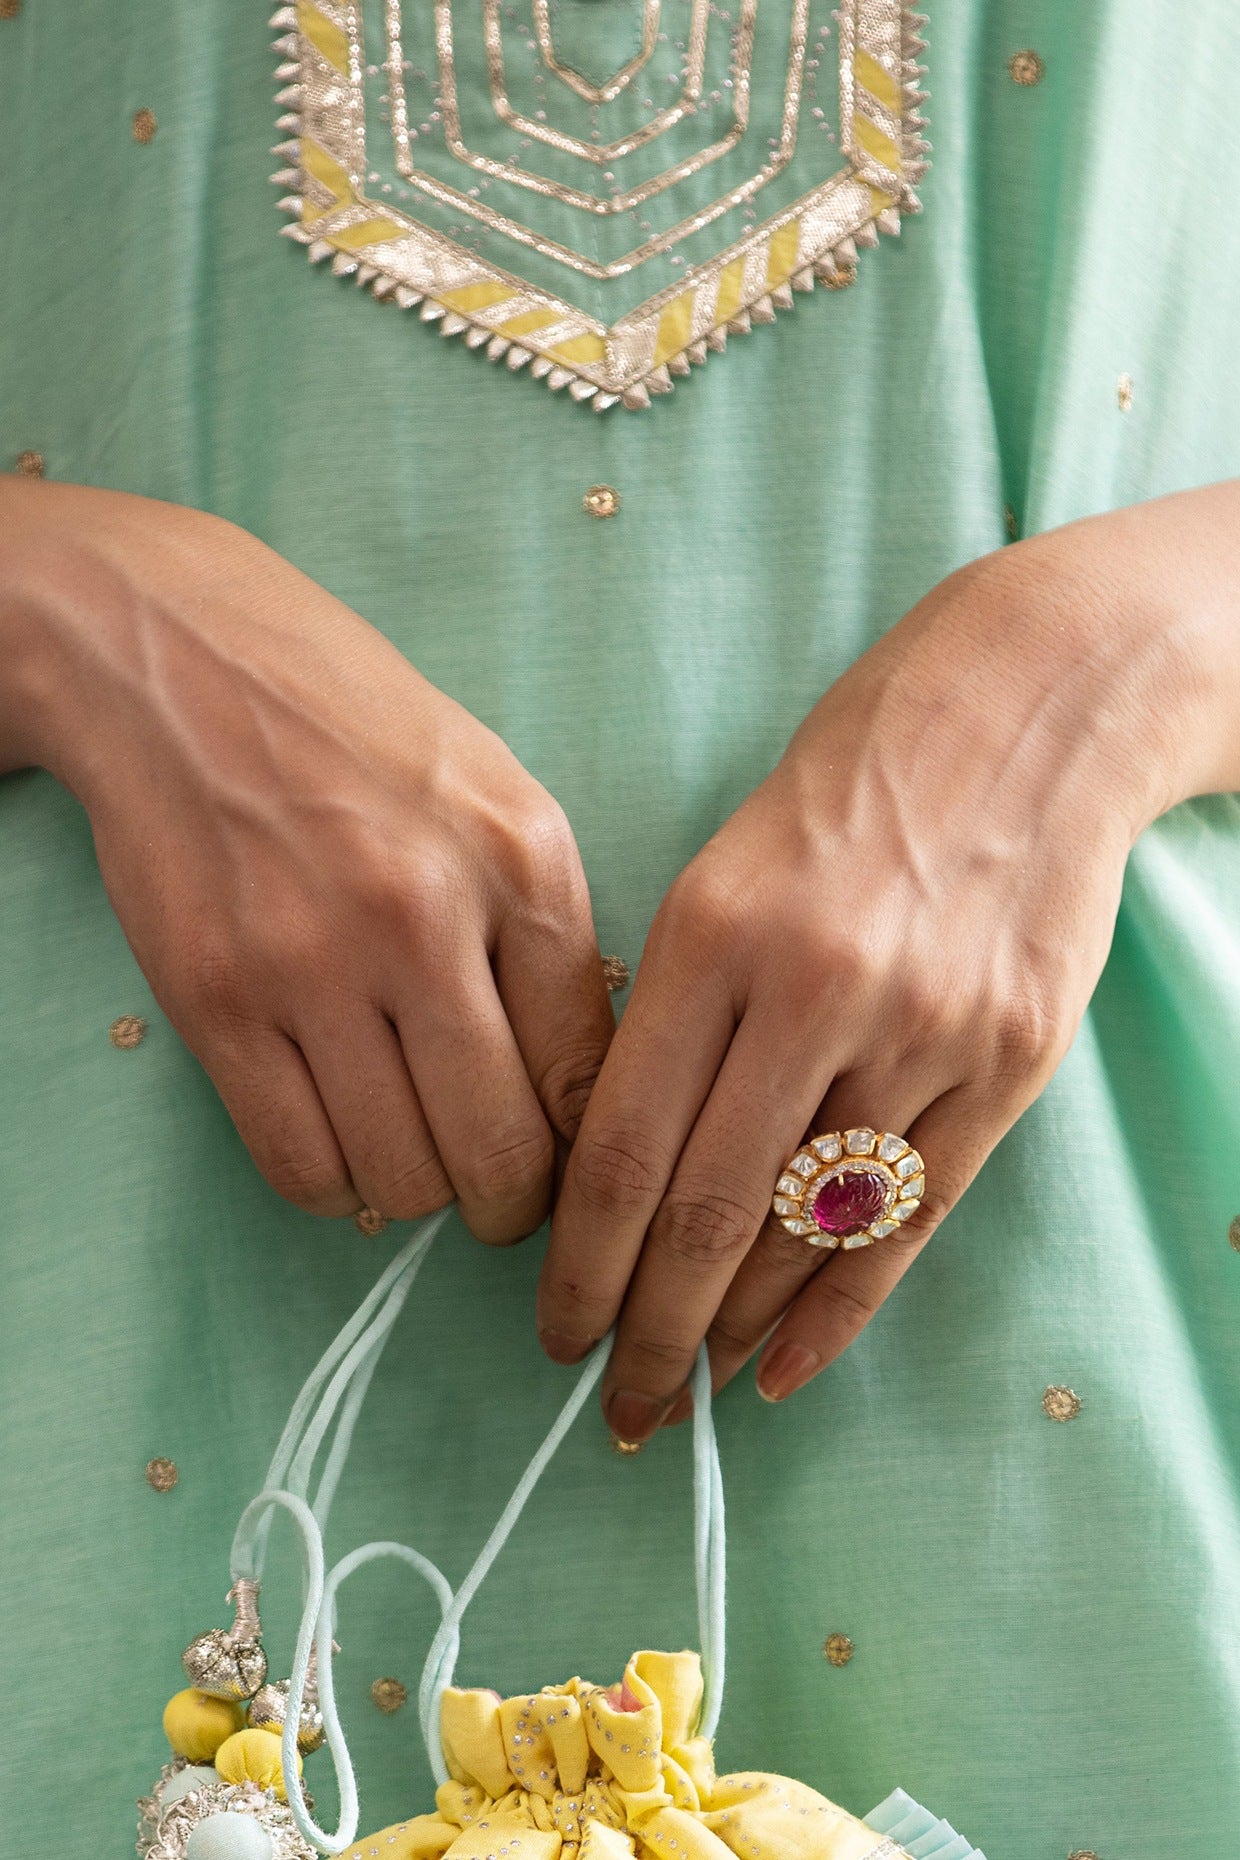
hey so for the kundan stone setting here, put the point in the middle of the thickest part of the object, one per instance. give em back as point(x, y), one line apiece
point(849, 1188)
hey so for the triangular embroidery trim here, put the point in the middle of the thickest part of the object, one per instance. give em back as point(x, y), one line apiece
point(815, 239)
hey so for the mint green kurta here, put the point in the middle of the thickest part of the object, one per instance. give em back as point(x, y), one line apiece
point(1045, 1616)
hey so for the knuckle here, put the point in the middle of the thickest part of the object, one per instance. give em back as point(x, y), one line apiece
point(540, 843)
point(730, 1338)
point(316, 1184)
point(658, 1352)
point(705, 1230)
point(1026, 1033)
point(566, 1088)
point(702, 913)
point(936, 1205)
point(614, 1176)
point(511, 1166)
point(413, 1189)
point(826, 963)
point(856, 1304)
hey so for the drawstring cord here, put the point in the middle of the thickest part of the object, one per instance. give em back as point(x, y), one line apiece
point(337, 1387)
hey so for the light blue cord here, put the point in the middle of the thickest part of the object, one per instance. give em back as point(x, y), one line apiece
point(438, 1671)
point(342, 1376)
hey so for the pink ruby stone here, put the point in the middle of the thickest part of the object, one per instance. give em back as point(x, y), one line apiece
point(849, 1203)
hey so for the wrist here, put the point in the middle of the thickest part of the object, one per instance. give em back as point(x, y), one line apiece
point(1077, 649)
point(32, 681)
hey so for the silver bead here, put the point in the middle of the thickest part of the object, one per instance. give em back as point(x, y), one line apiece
point(230, 1663)
point(269, 1708)
point(215, 1663)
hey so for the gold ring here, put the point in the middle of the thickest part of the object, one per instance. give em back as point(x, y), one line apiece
point(850, 1188)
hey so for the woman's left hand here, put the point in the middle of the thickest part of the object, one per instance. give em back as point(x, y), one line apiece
point(900, 928)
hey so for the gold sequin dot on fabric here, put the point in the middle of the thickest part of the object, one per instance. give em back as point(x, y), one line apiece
point(1026, 68)
point(127, 1031)
point(1123, 393)
point(615, 973)
point(143, 126)
point(9, 9)
point(161, 1474)
point(838, 1649)
point(1083, 1853)
point(841, 278)
point(1061, 1404)
point(626, 1448)
point(388, 1694)
point(31, 464)
point(1233, 1233)
point(601, 501)
point(370, 1222)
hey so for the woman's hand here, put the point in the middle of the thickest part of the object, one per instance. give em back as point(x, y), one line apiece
point(364, 917)
point(901, 928)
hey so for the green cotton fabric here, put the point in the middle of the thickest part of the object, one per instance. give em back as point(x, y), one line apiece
point(1046, 1617)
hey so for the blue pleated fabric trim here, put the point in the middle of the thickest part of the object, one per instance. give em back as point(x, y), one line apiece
point(922, 1835)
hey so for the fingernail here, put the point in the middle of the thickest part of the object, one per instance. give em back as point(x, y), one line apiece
point(633, 1417)
point(788, 1367)
point(562, 1348)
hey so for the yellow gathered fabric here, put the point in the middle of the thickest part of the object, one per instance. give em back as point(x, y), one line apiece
point(586, 1772)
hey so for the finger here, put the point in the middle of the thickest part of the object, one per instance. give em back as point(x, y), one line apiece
point(954, 1136)
point(486, 1122)
point(550, 979)
point(714, 1209)
point(364, 1083)
point(780, 1263)
point(658, 1074)
point(270, 1094)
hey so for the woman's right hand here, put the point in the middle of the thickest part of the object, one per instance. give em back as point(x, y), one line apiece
point(361, 913)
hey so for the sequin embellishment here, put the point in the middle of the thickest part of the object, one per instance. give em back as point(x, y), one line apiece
point(601, 501)
point(31, 464)
point(143, 126)
point(127, 1031)
point(370, 1222)
point(838, 1649)
point(1061, 1404)
point(608, 229)
point(161, 1474)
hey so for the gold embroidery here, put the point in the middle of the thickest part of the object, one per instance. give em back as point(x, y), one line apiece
point(1123, 393)
point(616, 977)
point(31, 464)
point(594, 93)
point(1233, 1233)
point(370, 1222)
point(601, 501)
point(389, 1695)
point(127, 1031)
point(1026, 68)
point(602, 152)
point(161, 1474)
point(419, 258)
point(143, 126)
point(838, 1649)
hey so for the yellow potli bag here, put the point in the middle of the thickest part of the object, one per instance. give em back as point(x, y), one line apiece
point(577, 1771)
